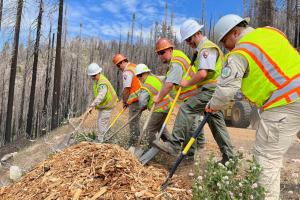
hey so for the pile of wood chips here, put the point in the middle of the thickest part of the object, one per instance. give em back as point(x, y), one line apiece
point(94, 171)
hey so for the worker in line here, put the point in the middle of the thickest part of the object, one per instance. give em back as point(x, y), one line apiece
point(105, 98)
point(208, 63)
point(131, 87)
point(151, 85)
point(266, 67)
point(179, 65)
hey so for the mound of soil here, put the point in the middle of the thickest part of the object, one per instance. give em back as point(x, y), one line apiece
point(94, 171)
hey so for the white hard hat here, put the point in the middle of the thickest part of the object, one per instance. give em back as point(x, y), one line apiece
point(141, 68)
point(94, 69)
point(189, 28)
point(226, 23)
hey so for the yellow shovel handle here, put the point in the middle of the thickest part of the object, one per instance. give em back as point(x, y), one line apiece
point(177, 96)
point(117, 117)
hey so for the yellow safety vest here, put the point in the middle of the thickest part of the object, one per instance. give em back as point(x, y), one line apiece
point(180, 58)
point(274, 68)
point(212, 76)
point(153, 85)
point(110, 100)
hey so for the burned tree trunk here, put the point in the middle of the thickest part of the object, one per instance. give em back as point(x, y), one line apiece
point(1, 8)
point(13, 71)
point(34, 72)
point(57, 70)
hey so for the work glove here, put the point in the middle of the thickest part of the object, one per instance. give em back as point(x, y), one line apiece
point(125, 105)
point(143, 108)
point(91, 109)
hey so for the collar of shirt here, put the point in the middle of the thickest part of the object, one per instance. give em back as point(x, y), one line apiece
point(126, 66)
point(245, 32)
point(201, 43)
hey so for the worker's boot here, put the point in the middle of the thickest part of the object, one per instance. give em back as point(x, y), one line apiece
point(166, 147)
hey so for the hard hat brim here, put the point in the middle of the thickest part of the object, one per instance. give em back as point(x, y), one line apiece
point(96, 72)
point(247, 19)
point(189, 35)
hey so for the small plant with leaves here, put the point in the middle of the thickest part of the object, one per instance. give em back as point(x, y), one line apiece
point(80, 137)
point(229, 182)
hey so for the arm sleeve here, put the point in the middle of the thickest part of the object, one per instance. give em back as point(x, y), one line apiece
point(143, 98)
point(208, 59)
point(175, 74)
point(229, 82)
point(127, 79)
point(102, 90)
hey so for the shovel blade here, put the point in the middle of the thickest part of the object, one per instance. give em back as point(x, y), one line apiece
point(131, 149)
point(153, 151)
point(138, 152)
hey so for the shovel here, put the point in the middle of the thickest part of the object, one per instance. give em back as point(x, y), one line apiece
point(185, 151)
point(138, 151)
point(85, 115)
point(153, 151)
point(113, 134)
point(114, 121)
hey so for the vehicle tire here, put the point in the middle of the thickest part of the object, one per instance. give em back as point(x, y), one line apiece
point(241, 114)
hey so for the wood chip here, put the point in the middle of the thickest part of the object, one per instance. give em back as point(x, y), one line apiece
point(79, 171)
point(100, 193)
point(77, 194)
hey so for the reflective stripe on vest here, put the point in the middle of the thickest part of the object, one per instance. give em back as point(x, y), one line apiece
point(266, 64)
point(275, 71)
point(180, 58)
point(110, 99)
point(289, 92)
point(135, 84)
point(153, 84)
point(211, 80)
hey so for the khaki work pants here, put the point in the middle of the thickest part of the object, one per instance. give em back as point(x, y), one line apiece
point(281, 126)
point(134, 126)
point(156, 121)
point(103, 122)
point(184, 124)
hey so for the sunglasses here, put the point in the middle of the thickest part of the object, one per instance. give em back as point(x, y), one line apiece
point(93, 76)
point(161, 53)
point(139, 75)
point(189, 38)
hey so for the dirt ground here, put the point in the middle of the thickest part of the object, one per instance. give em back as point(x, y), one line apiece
point(31, 153)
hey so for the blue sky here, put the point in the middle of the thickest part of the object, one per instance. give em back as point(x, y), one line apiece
point(108, 19)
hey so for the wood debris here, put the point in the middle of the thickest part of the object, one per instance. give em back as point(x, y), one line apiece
point(93, 171)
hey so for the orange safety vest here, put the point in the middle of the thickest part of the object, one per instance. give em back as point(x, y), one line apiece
point(135, 84)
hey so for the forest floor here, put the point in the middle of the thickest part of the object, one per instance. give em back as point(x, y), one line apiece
point(30, 153)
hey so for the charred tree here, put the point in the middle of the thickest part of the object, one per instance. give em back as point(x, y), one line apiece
point(13, 71)
point(265, 12)
point(30, 113)
point(57, 70)
point(21, 120)
point(1, 8)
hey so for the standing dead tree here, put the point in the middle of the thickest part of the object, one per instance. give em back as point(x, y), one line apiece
point(30, 113)
point(13, 71)
point(57, 70)
point(1, 8)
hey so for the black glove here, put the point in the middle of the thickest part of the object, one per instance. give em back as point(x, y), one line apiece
point(125, 105)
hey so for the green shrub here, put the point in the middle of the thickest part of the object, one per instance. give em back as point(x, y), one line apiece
point(220, 182)
point(80, 137)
